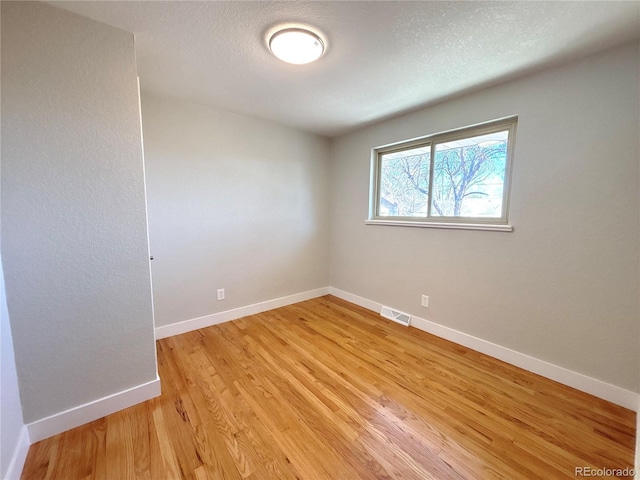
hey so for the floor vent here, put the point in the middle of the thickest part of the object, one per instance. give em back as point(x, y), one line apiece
point(396, 316)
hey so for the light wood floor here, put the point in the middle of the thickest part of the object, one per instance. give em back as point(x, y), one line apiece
point(327, 390)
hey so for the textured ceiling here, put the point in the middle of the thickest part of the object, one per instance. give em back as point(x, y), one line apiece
point(383, 58)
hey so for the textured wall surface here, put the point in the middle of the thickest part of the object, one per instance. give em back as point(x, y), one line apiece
point(11, 412)
point(563, 287)
point(74, 243)
point(234, 203)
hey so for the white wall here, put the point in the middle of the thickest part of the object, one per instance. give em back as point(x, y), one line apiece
point(563, 287)
point(11, 424)
point(74, 239)
point(234, 203)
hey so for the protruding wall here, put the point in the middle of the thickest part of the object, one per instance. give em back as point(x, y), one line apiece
point(74, 231)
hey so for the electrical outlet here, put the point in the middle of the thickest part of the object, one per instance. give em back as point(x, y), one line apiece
point(221, 294)
point(425, 301)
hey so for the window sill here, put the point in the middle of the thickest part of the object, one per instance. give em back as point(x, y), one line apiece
point(456, 226)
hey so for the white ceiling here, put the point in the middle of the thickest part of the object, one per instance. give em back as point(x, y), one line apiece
point(383, 58)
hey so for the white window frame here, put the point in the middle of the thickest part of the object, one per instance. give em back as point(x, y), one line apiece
point(468, 223)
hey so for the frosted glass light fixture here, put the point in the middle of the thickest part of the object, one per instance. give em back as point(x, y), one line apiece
point(296, 45)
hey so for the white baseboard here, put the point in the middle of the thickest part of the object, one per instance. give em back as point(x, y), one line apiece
point(19, 456)
point(47, 427)
point(74, 417)
point(361, 301)
point(598, 388)
point(165, 331)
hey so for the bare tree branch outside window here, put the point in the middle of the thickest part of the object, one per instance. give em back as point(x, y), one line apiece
point(468, 178)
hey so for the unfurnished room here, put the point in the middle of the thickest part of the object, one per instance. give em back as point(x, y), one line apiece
point(340, 240)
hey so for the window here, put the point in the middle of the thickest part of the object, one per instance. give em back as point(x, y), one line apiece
point(454, 179)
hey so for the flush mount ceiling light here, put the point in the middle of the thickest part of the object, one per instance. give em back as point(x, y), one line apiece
point(296, 45)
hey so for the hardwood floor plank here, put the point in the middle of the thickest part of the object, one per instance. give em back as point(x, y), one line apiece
point(157, 469)
point(325, 389)
point(259, 387)
point(170, 465)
